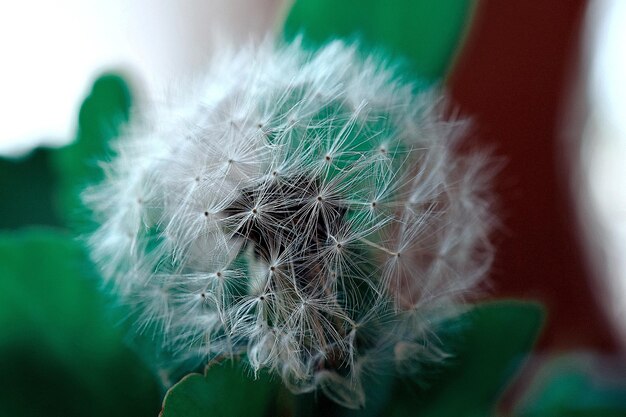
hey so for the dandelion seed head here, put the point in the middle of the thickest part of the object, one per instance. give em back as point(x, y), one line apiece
point(306, 210)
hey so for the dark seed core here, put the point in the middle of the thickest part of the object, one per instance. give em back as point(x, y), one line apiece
point(289, 221)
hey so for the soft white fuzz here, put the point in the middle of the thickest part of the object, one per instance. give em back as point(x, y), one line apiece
point(306, 210)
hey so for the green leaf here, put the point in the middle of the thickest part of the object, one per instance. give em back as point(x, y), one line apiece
point(425, 32)
point(61, 354)
point(101, 117)
point(378, 393)
point(576, 385)
point(27, 191)
point(225, 390)
point(494, 341)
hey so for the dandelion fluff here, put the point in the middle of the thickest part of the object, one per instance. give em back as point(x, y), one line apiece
point(306, 210)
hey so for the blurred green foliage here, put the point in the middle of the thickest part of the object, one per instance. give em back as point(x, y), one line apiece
point(103, 114)
point(43, 187)
point(488, 344)
point(426, 33)
point(494, 340)
point(27, 191)
point(576, 385)
point(224, 390)
point(61, 353)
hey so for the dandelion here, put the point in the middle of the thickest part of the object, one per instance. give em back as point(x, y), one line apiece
point(306, 210)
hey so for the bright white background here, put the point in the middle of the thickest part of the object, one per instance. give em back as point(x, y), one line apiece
point(602, 156)
point(52, 50)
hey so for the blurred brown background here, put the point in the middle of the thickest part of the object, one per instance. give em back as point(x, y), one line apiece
point(513, 77)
